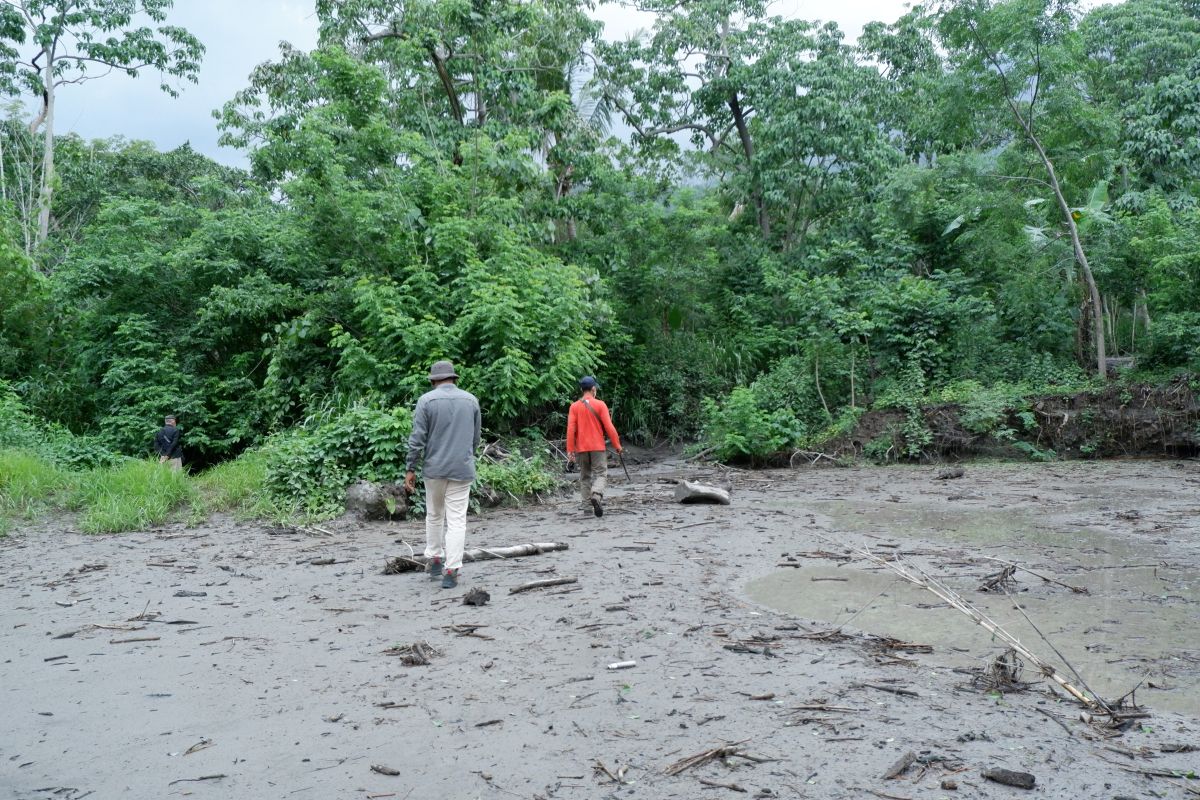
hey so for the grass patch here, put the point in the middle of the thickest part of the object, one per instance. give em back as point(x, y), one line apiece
point(27, 482)
point(129, 497)
point(238, 485)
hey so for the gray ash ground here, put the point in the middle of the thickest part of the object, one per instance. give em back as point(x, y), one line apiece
point(278, 680)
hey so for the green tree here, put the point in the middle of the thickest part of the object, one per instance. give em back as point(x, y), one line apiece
point(1023, 55)
point(67, 39)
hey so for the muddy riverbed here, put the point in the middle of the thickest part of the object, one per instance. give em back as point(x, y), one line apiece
point(234, 661)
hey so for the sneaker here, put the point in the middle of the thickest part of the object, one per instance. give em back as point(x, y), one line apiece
point(435, 569)
point(597, 509)
point(450, 579)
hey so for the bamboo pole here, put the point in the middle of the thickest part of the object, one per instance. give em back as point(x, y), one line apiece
point(918, 577)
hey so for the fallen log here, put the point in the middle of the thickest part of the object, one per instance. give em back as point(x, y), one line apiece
point(689, 493)
point(417, 563)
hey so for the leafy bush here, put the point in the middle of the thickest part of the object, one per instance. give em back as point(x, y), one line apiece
point(740, 429)
point(132, 496)
point(20, 429)
point(514, 478)
point(307, 469)
point(883, 447)
point(1175, 340)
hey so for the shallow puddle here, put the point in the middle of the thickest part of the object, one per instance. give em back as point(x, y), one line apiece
point(1135, 623)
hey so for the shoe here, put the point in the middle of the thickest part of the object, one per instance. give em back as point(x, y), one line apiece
point(450, 579)
point(435, 569)
point(597, 509)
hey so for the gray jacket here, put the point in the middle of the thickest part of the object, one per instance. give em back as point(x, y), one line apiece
point(446, 431)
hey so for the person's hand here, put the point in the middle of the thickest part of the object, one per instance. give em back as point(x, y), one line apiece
point(570, 458)
point(410, 481)
point(619, 451)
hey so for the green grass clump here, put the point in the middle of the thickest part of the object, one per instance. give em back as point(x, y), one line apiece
point(129, 497)
point(237, 485)
point(27, 482)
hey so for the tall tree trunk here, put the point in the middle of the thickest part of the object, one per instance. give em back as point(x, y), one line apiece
point(739, 120)
point(1076, 246)
point(47, 154)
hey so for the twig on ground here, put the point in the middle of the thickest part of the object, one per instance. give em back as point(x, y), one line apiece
point(718, 785)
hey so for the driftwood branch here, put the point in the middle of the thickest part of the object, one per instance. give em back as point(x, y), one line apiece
point(417, 563)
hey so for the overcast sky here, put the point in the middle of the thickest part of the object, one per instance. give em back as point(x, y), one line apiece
point(239, 34)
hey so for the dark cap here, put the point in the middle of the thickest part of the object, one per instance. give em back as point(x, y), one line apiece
point(588, 382)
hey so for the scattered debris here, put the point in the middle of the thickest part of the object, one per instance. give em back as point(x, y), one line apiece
point(417, 654)
point(622, 665)
point(1045, 578)
point(1002, 674)
point(690, 493)
point(618, 777)
point(999, 581)
point(476, 597)
point(897, 769)
point(918, 577)
point(950, 474)
point(186, 593)
point(724, 752)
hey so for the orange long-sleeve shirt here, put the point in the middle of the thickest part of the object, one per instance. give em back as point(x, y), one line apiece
point(585, 433)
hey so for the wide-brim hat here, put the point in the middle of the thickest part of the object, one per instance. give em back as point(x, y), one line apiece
point(441, 370)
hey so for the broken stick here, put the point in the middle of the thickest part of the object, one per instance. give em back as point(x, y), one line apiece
point(542, 584)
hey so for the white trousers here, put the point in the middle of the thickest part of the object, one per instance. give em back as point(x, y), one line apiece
point(446, 520)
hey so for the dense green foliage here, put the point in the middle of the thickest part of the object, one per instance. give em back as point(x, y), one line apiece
point(748, 227)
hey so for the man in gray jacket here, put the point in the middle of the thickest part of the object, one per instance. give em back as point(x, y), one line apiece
point(446, 432)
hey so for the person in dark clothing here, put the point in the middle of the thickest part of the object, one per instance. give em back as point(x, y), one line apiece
point(168, 443)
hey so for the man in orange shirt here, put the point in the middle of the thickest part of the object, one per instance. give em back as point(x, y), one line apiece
point(587, 424)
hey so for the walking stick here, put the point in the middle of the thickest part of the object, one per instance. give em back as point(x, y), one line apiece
point(621, 458)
